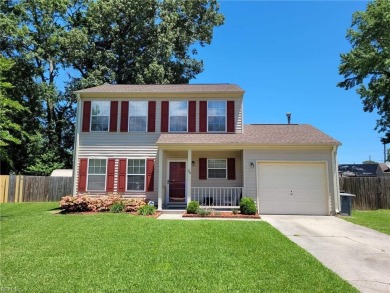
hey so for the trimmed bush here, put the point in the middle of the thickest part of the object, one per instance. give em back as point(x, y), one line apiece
point(192, 207)
point(247, 206)
point(146, 210)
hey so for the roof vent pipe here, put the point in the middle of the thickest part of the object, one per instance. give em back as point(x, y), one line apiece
point(288, 114)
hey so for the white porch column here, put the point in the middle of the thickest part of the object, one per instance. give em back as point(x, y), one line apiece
point(160, 183)
point(188, 177)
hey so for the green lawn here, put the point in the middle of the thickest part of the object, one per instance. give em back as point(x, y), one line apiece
point(378, 220)
point(41, 252)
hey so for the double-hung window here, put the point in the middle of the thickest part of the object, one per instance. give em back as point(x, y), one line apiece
point(178, 116)
point(216, 116)
point(136, 175)
point(138, 116)
point(216, 168)
point(100, 115)
point(97, 174)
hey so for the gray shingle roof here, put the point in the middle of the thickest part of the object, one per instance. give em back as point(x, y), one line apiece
point(163, 88)
point(261, 134)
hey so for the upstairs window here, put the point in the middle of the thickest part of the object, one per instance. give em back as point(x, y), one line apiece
point(216, 116)
point(216, 168)
point(136, 175)
point(178, 116)
point(138, 115)
point(100, 115)
point(97, 175)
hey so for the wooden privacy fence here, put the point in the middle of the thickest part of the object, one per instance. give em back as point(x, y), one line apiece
point(371, 192)
point(19, 188)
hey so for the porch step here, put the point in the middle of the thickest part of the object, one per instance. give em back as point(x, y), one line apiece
point(173, 211)
point(176, 206)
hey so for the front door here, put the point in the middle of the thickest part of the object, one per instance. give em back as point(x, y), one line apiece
point(177, 182)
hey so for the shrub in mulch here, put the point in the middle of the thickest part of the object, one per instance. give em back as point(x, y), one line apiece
point(85, 203)
point(220, 214)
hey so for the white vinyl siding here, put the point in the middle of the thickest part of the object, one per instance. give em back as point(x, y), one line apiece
point(138, 116)
point(216, 168)
point(97, 174)
point(136, 173)
point(216, 116)
point(178, 116)
point(100, 115)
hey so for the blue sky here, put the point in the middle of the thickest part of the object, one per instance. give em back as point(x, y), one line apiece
point(285, 55)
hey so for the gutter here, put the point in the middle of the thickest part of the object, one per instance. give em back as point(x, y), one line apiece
point(76, 144)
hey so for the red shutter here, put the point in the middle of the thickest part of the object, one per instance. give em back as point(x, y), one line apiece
point(86, 116)
point(110, 175)
point(231, 168)
point(192, 116)
point(149, 174)
point(152, 116)
point(125, 116)
point(230, 116)
point(113, 116)
point(202, 168)
point(164, 116)
point(82, 184)
point(122, 175)
point(202, 116)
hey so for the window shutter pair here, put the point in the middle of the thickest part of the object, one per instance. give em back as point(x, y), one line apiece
point(191, 116)
point(87, 116)
point(124, 125)
point(229, 116)
point(83, 167)
point(125, 116)
point(122, 175)
point(231, 169)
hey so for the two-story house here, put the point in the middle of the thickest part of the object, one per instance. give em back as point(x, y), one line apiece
point(177, 143)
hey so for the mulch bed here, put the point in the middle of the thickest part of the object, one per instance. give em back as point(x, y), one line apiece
point(155, 215)
point(223, 215)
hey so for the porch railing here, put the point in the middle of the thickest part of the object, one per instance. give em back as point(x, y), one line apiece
point(217, 197)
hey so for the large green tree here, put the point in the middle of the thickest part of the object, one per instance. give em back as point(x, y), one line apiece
point(141, 41)
point(58, 46)
point(367, 65)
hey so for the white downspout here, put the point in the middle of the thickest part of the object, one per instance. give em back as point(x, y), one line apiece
point(336, 184)
point(76, 145)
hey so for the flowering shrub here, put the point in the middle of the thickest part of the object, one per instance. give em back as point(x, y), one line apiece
point(132, 205)
point(85, 203)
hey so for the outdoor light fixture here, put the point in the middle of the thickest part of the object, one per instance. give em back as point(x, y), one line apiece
point(193, 163)
point(252, 165)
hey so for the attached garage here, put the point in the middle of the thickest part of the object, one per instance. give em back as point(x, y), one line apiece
point(293, 188)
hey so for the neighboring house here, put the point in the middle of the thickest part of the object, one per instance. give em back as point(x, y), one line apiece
point(62, 173)
point(177, 143)
point(364, 170)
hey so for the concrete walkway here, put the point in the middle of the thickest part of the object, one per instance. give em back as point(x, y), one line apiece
point(357, 254)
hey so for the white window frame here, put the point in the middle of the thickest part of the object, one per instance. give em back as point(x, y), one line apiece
point(105, 174)
point(108, 120)
point(146, 115)
point(127, 174)
point(215, 131)
point(226, 168)
point(169, 117)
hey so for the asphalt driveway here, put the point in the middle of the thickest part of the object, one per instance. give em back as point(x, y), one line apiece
point(357, 254)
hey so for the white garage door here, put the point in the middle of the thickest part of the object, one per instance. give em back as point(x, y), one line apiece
point(293, 188)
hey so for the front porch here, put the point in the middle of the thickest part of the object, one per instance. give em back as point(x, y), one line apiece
point(213, 178)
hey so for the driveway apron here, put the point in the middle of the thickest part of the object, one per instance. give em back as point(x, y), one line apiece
point(357, 254)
